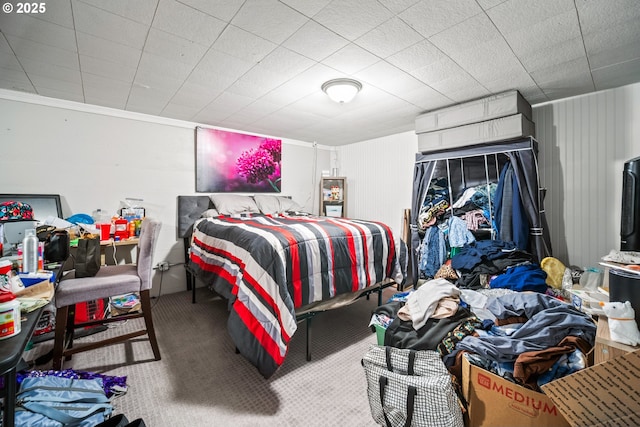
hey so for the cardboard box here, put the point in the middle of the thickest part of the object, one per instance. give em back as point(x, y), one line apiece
point(500, 129)
point(607, 394)
point(494, 401)
point(479, 110)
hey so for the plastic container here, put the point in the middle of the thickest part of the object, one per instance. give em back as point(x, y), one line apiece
point(10, 322)
point(30, 249)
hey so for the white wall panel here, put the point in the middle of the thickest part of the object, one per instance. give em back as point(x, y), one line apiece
point(96, 160)
point(379, 177)
point(584, 142)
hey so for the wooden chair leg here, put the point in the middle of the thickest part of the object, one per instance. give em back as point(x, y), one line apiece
point(59, 337)
point(145, 302)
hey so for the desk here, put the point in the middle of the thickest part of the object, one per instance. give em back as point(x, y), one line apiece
point(104, 244)
point(10, 355)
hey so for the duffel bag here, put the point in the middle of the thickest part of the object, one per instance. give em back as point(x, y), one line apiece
point(410, 388)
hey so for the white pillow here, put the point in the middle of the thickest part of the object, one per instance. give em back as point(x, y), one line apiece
point(275, 204)
point(229, 204)
point(210, 213)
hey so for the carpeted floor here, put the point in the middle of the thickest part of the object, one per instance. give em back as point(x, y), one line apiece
point(201, 381)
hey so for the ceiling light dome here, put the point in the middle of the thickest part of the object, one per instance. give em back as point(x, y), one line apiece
point(342, 90)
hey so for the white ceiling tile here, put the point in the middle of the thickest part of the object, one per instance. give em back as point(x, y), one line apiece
point(54, 72)
point(597, 15)
point(107, 92)
point(220, 63)
point(426, 98)
point(269, 19)
point(61, 92)
point(417, 56)
point(307, 7)
point(464, 36)
point(553, 54)
point(577, 67)
point(174, 48)
point(250, 89)
point(154, 64)
point(615, 55)
point(149, 101)
point(541, 35)
point(107, 69)
point(315, 41)
point(429, 17)
point(180, 112)
point(260, 107)
point(15, 80)
point(613, 44)
point(186, 22)
point(9, 61)
point(226, 104)
point(139, 10)
point(154, 82)
point(43, 53)
point(37, 30)
point(100, 23)
point(351, 59)
point(221, 9)
point(352, 18)
point(468, 93)
point(284, 62)
point(196, 95)
point(398, 6)
point(388, 38)
point(389, 78)
point(488, 4)
point(617, 75)
point(508, 81)
point(514, 15)
point(41, 82)
point(242, 44)
point(107, 50)
point(60, 14)
point(475, 62)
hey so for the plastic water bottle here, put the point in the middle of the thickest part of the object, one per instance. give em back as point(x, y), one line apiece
point(30, 252)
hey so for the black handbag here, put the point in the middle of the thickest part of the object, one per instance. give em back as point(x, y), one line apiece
point(56, 246)
point(87, 258)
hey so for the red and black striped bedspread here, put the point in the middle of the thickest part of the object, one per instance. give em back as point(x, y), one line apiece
point(270, 266)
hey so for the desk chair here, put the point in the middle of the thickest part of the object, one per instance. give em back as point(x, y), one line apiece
point(110, 281)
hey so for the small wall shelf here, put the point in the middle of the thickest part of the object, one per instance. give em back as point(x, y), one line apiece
point(333, 196)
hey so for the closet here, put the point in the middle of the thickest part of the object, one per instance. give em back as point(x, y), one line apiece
point(500, 177)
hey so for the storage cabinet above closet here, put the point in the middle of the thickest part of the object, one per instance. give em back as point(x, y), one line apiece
point(478, 192)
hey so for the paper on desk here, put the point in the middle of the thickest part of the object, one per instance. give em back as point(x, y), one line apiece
point(57, 222)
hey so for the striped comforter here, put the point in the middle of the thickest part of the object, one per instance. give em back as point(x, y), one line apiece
point(269, 266)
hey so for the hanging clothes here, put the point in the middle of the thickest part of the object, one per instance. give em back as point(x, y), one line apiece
point(511, 221)
point(433, 253)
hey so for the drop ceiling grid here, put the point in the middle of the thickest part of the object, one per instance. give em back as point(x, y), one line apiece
point(189, 57)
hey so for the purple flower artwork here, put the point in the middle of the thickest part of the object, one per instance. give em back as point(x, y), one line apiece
point(237, 163)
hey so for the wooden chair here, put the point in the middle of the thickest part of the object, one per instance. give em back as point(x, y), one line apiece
point(111, 280)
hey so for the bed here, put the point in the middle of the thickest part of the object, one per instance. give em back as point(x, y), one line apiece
point(278, 266)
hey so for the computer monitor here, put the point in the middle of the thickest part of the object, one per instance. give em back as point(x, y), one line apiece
point(43, 205)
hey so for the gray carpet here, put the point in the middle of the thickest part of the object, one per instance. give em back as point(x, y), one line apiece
point(201, 381)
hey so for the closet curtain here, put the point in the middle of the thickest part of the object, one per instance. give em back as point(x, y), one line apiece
point(522, 154)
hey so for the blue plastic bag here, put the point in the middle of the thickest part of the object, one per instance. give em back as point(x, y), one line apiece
point(56, 402)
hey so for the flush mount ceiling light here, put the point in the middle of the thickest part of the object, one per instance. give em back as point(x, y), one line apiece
point(342, 90)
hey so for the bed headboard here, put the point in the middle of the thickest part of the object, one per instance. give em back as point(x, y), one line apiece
point(189, 210)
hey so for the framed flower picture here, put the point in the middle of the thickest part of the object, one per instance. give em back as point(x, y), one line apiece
point(236, 163)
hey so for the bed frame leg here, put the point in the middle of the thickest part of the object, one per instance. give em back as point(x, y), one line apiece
point(308, 339)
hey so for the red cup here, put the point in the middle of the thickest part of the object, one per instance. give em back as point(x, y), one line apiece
point(105, 231)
